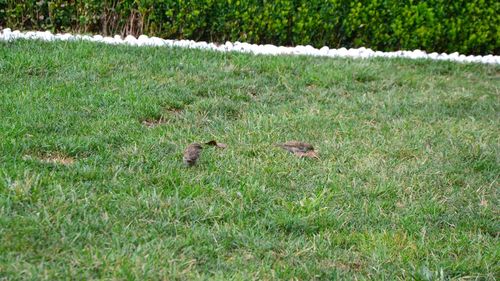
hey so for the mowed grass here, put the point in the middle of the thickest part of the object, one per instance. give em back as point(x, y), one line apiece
point(92, 184)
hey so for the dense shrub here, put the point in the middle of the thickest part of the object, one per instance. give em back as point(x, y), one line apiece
point(467, 26)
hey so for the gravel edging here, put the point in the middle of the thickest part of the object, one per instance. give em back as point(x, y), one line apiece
point(7, 35)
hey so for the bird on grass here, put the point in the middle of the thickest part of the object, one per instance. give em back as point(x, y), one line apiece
point(300, 149)
point(191, 154)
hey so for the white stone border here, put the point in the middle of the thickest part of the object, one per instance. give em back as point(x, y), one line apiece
point(7, 34)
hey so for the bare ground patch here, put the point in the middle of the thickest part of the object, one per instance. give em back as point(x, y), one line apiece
point(52, 158)
point(151, 122)
point(163, 119)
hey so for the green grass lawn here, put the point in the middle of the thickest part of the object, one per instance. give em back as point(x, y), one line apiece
point(92, 185)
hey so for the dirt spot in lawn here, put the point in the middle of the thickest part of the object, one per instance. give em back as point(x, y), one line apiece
point(163, 119)
point(58, 159)
point(354, 266)
point(173, 111)
point(483, 203)
point(344, 266)
point(252, 92)
point(152, 122)
point(311, 87)
point(37, 71)
point(53, 158)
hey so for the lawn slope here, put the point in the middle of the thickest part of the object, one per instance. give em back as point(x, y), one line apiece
point(92, 184)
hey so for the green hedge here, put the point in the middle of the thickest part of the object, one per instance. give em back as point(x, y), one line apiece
point(466, 26)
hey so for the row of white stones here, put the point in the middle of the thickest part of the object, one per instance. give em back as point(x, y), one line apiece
point(143, 40)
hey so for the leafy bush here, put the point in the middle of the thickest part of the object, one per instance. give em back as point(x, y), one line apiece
point(467, 26)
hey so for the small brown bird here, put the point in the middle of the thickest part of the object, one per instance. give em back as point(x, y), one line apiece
point(299, 149)
point(192, 153)
point(309, 154)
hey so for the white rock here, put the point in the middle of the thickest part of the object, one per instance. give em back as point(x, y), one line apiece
point(109, 40)
point(97, 38)
point(142, 41)
point(48, 36)
point(131, 40)
point(245, 47)
point(490, 60)
point(342, 52)
point(66, 37)
point(181, 43)
point(352, 53)
point(468, 59)
point(411, 56)
point(237, 47)
point(418, 54)
point(30, 35)
point(442, 56)
point(433, 55)
point(86, 38)
point(282, 50)
point(310, 50)
point(201, 45)
point(168, 42)
point(324, 50)
point(156, 41)
point(212, 46)
point(16, 34)
point(270, 49)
